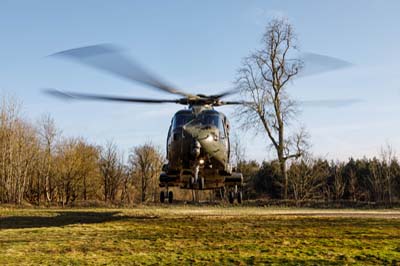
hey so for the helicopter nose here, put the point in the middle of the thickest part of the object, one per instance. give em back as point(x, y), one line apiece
point(207, 137)
point(202, 134)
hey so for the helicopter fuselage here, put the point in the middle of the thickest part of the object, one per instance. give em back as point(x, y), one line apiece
point(198, 148)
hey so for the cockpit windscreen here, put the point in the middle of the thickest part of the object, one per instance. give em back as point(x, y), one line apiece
point(181, 119)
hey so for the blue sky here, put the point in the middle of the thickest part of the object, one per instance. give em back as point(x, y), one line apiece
point(198, 45)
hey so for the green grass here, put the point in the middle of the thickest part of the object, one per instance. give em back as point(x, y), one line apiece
point(177, 235)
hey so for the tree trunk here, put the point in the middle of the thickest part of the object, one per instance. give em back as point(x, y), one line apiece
point(143, 190)
point(282, 164)
point(84, 188)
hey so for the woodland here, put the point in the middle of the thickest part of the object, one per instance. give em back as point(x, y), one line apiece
point(41, 167)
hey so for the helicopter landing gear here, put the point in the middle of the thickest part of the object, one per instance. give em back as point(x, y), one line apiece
point(235, 193)
point(239, 197)
point(191, 182)
point(196, 173)
point(162, 196)
point(231, 197)
point(196, 180)
point(201, 183)
point(169, 195)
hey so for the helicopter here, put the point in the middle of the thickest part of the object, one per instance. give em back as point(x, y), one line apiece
point(198, 145)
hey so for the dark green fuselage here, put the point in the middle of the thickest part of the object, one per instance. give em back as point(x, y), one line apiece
point(199, 137)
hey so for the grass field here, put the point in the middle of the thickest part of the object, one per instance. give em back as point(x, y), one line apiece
point(179, 235)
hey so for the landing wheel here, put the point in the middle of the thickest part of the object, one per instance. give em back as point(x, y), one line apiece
point(201, 183)
point(239, 197)
point(170, 197)
point(162, 196)
point(222, 193)
point(231, 197)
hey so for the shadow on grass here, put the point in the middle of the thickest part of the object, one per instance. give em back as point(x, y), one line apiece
point(304, 262)
point(63, 219)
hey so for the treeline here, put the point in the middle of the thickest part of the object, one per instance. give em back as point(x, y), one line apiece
point(40, 166)
point(357, 180)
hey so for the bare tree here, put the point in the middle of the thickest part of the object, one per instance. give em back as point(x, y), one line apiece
point(145, 162)
point(238, 152)
point(353, 185)
point(67, 171)
point(339, 183)
point(127, 186)
point(48, 134)
point(76, 165)
point(263, 80)
point(112, 170)
point(388, 156)
point(307, 176)
point(18, 154)
point(9, 114)
point(376, 180)
point(89, 171)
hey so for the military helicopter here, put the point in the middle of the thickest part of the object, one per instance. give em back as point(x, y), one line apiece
point(198, 147)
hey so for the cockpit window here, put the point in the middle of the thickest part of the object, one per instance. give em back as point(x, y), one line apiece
point(212, 119)
point(181, 119)
point(204, 119)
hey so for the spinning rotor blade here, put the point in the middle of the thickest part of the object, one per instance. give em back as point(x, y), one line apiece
point(330, 103)
point(233, 103)
point(110, 59)
point(317, 64)
point(309, 103)
point(313, 64)
point(225, 93)
point(98, 97)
